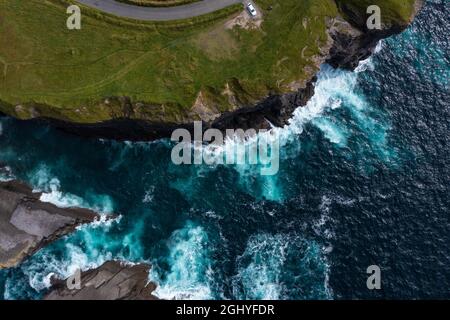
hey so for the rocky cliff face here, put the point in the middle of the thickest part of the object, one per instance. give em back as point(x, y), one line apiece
point(349, 43)
point(27, 224)
point(353, 42)
point(111, 281)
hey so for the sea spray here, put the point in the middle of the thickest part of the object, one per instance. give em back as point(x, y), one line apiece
point(50, 187)
point(188, 249)
point(6, 174)
point(323, 172)
point(281, 266)
point(189, 273)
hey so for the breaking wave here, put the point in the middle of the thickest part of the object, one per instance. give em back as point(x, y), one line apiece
point(51, 192)
point(281, 266)
point(338, 173)
point(189, 273)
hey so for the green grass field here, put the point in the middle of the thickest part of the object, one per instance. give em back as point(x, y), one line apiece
point(47, 70)
point(392, 11)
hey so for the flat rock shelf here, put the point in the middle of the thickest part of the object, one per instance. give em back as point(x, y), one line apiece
point(113, 280)
point(27, 224)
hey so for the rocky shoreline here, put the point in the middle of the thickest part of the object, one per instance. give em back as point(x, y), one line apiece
point(114, 280)
point(349, 43)
point(28, 224)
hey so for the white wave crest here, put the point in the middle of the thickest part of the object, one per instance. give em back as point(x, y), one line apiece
point(190, 271)
point(51, 192)
point(265, 269)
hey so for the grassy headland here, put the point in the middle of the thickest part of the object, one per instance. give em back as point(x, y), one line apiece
point(392, 11)
point(50, 71)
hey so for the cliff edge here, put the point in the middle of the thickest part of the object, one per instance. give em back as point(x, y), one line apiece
point(140, 80)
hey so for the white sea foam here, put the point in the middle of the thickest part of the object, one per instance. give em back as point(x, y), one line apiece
point(6, 174)
point(189, 276)
point(44, 265)
point(368, 64)
point(89, 249)
point(332, 131)
point(90, 246)
point(51, 192)
point(334, 90)
point(104, 221)
point(264, 273)
point(260, 268)
point(323, 226)
point(149, 195)
point(55, 196)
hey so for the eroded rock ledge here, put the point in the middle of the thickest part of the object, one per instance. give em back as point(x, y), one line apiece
point(113, 280)
point(27, 224)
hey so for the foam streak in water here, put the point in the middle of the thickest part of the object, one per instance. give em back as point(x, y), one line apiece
point(281, 266)
point(189, 276)
point(51, 192)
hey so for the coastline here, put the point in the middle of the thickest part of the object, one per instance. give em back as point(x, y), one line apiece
point(348, 44)
point(29, 224)
point(275, 110)
point(329, 191)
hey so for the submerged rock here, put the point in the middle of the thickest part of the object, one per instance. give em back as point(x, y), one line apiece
point(113, 280)
point(27, 224)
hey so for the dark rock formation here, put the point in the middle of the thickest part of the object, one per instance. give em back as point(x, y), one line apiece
point(276, 110)
point(111, 281)
point(348, 51)
point(350, 48)
point(27, 224)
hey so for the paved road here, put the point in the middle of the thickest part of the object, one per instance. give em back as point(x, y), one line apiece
point(161, 13)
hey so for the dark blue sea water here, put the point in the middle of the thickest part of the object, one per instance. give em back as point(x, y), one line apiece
point(364, 179)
